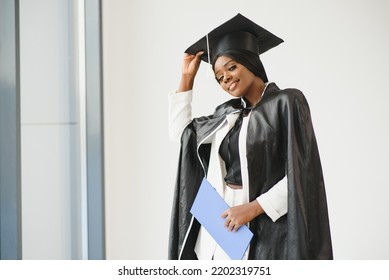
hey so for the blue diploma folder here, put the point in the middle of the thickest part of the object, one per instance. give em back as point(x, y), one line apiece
point(207, 209)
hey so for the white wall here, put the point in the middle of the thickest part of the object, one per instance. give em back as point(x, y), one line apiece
point(335, 51)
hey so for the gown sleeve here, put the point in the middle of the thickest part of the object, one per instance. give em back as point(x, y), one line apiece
point(308, 222)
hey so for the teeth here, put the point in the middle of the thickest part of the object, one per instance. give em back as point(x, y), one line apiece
point(232, 86)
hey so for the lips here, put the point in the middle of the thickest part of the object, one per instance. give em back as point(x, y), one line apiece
point(233, 85)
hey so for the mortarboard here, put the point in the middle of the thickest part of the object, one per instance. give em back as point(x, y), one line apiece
point(236, 33)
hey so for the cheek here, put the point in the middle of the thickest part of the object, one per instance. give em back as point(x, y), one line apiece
point(223, 86)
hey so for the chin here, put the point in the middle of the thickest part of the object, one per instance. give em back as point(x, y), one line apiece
point(235, 94)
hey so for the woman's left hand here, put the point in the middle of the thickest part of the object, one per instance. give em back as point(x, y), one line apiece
point(238, 216)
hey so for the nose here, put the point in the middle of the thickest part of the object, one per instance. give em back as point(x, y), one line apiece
point(227, 78)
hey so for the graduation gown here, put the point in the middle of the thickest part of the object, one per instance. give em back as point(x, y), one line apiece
point(280, 140)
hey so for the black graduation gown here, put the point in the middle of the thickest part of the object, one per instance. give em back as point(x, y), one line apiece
point(280, 140)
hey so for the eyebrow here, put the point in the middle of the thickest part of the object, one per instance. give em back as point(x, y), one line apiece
point(224, 65)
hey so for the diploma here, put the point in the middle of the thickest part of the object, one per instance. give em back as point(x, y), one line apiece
point(207, 209)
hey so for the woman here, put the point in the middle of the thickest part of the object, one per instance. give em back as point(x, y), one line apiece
point(258, 150)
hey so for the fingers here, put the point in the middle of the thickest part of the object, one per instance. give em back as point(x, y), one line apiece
point(225, 214)
point(199, 54)
point(193, 57)
point(230, 223)
point(198, 57)
point(191, 63)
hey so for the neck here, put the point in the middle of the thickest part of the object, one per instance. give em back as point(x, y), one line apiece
point(253, 98)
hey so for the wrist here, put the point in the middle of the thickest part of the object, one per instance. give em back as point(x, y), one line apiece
point(186, 83)
point(256, 208)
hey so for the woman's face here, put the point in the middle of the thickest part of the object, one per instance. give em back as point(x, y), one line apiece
point(235, 78)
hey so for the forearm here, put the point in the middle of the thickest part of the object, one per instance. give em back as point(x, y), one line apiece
point(190, 66)
point(186, 83)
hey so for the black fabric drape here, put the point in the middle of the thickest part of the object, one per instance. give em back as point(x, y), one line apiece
point(280, 141)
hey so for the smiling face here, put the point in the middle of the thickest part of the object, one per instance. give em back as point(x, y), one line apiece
point(236, 79)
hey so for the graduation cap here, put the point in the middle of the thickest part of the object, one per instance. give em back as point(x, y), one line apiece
point(238, 33)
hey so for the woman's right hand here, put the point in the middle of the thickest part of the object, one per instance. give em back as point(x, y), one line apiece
point(190, 66)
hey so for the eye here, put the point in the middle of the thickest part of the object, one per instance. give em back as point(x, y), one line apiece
point(232, 68)
point(220, 79)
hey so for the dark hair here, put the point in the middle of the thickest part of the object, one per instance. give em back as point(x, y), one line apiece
point(248, 59)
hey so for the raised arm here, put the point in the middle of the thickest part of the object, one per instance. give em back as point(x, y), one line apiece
point(180, 108)
point(190, 66)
